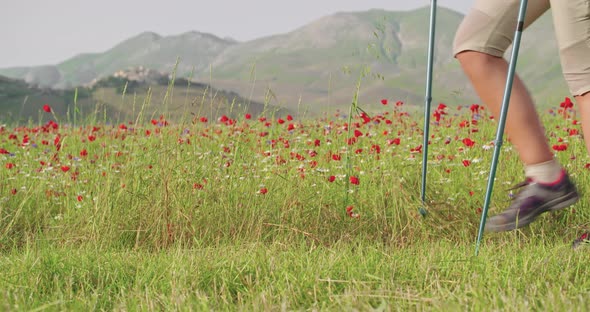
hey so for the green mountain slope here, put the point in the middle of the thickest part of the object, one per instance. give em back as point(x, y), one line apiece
point(195, 49)
point(119, 100)
point(21, 102)
point(321, 63)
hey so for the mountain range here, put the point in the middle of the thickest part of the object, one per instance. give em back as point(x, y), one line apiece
point(319, 66)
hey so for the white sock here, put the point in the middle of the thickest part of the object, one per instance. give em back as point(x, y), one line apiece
point(546, 172)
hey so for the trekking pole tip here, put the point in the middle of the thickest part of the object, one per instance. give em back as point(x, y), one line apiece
point(423, 211)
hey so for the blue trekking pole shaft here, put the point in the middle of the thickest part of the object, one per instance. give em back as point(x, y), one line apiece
point(428, 100)
point(502, 121)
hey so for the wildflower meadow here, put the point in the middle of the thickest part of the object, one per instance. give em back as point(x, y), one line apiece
point(281, 212)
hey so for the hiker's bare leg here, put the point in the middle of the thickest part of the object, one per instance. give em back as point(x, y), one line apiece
point(583, 103)
point(488, 76)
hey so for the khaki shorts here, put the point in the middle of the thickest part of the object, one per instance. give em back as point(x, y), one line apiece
point(489, 28)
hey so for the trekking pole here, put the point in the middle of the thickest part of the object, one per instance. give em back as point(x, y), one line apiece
point(428, 100)
point(502, 121)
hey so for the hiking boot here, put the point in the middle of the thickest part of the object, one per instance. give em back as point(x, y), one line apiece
point(532, 200)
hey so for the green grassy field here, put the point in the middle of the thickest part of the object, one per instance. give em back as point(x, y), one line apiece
point(275, 213)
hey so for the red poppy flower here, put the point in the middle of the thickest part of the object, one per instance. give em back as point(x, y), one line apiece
point(47, 108)
point(52, 124)
point(567, 103)
point(376, 148)
point(354, 180)
point(366, 119)
point(263, 190)
point(468, 142)
point(437, 115)
point(384, 101)
point(351, 213)
point(417, 149)
point(396, 141)
point(466, 163)
point(65, 168)
point(248, 116)
point(331, 178)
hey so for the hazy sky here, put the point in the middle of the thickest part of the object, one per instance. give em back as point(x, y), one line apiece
point(36, 32)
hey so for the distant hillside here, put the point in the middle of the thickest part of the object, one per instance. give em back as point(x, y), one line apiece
point(321, 62)
point(21, 102)
point(148, 49)
point(318, 66)
point(118, 99)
